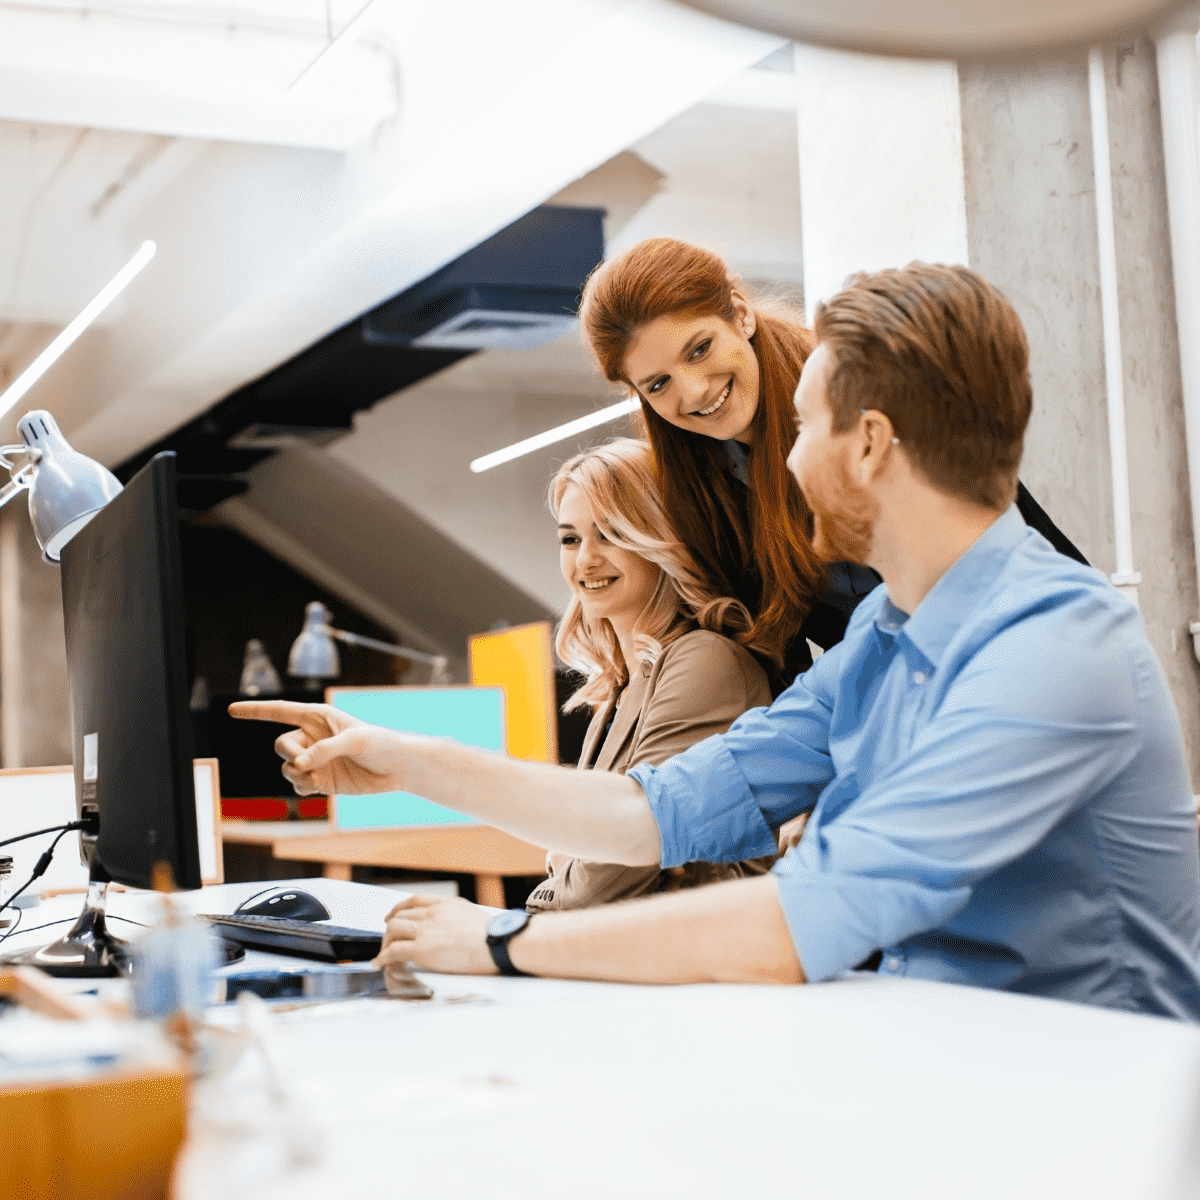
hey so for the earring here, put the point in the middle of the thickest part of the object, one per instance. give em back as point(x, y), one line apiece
point(895, 441)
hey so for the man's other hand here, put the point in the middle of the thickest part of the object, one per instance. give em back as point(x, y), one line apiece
point(436, 933)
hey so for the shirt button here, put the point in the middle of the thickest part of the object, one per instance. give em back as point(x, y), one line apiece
point(919, 677)
point(894, 964)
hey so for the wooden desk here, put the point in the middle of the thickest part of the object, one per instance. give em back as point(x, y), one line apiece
point(477, 850)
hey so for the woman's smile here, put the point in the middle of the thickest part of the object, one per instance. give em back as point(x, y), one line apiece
point(717, 404)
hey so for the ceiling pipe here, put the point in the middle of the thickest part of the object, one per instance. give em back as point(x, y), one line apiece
point(1179, 104)
point(1125, 578)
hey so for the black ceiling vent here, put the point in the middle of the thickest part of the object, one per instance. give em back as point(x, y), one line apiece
point(517, 289)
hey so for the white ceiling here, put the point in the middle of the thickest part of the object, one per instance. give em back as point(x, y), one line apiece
point(297, 170)
point(256, 71)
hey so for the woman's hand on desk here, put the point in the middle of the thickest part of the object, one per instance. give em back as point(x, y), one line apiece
point(330, 752)
point(438, 934)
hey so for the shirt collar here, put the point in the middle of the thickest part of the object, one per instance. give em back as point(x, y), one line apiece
point(738, 460)
point(941, 614)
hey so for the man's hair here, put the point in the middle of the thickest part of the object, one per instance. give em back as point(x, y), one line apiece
point(943, 355)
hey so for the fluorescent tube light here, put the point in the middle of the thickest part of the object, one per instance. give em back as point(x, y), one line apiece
point(59, 346)
point(557, 434)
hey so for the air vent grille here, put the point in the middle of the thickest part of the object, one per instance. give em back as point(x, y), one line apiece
point(491, 329)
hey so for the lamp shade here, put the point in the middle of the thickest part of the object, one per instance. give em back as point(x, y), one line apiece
point(945, 28)
point(314, 653)
point(68, 489)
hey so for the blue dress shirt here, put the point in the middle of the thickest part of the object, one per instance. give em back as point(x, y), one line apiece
point(998, 788)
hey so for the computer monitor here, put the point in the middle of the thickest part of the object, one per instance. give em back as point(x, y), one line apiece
point(131, 737)
point(473, 716)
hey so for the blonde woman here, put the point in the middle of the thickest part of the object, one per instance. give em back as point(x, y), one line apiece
point(649, 635)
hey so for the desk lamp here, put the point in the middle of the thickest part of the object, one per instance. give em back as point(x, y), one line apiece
point(314, 655)
point(66, 488)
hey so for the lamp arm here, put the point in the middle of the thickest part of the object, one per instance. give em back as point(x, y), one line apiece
point(357, 639)
point(22, 476)
point(7, 452)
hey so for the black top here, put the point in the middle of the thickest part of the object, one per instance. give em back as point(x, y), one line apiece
point(826, 622)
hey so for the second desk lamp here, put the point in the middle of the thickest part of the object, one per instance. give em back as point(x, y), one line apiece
point(314, 653)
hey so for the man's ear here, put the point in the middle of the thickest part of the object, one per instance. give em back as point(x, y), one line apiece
point(876, 441)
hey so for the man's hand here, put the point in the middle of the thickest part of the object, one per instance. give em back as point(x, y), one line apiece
point(438, 934)
point(331, 752)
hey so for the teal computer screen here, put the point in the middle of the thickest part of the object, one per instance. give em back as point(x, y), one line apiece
point(472, 716)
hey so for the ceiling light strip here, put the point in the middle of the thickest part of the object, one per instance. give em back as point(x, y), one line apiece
point(557, 434)
point(62, 343)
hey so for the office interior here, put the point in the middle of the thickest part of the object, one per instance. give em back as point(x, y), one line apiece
point(316, 177)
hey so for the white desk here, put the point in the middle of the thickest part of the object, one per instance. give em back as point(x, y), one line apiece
point(854, 1089)
point(862, 1087)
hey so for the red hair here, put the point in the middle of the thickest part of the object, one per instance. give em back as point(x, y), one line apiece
point(661, 277)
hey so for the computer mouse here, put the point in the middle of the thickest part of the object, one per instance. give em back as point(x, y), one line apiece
point(288, 902)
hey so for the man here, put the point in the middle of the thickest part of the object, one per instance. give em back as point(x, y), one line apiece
point(993, 762)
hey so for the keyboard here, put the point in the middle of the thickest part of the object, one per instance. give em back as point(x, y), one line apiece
point(304, 939)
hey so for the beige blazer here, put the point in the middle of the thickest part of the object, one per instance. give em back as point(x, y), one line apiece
point(698, 686)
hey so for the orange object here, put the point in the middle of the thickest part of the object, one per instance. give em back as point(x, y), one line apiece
point(110, 1137)
point(521, 661)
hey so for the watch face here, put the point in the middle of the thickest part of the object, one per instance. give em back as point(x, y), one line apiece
point(505, 923)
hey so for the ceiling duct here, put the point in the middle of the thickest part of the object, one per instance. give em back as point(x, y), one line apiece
point(517, 290)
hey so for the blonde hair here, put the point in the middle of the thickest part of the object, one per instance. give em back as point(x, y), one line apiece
point(618, 481)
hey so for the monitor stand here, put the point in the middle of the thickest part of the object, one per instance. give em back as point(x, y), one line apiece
point(88, 951)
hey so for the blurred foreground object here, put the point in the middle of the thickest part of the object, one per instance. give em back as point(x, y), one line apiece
point(945, 28)
point(91, 1108)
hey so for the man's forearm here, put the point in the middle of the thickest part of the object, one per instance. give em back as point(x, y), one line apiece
point(726, 933)
point(598, 815)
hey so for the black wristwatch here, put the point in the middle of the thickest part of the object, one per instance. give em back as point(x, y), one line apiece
point(501, 929)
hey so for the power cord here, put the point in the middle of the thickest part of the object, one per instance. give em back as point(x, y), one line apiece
point(49, 829)
point(64, 921)
point(44, 861)
point(9, 932)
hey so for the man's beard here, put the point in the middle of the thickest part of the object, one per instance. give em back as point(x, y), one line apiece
point(844, 515)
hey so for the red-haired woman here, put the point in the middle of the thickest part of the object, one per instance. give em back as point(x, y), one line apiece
point(716, 372)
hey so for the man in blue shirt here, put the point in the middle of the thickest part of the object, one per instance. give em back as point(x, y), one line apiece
point(991, 756)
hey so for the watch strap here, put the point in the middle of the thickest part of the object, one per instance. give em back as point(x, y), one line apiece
point(498, 945)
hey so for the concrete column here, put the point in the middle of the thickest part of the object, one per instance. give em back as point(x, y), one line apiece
point(881, 174)
point(35, 717)
point(1179, 87)
point(1031, 221)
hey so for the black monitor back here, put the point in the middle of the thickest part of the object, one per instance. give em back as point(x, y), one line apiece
point(131, 735)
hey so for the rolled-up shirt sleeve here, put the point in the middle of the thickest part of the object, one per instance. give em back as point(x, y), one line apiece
point(722, 800)
point(1004, 761)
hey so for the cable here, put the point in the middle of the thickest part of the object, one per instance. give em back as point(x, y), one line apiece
point(63, 921)
point(42, 863)
point(49, 829)
point(10, 932)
